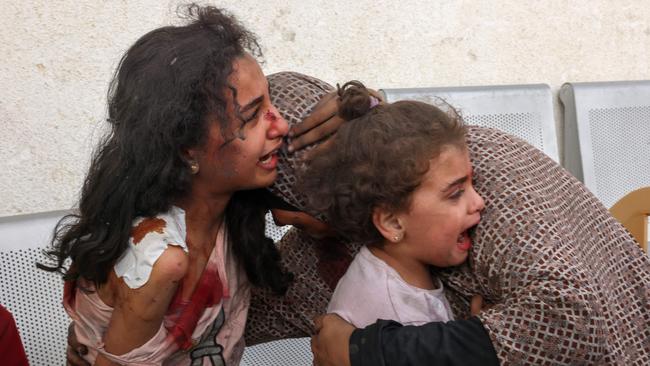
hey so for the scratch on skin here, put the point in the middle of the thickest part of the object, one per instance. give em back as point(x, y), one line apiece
point(270, 116)
point(147, 226)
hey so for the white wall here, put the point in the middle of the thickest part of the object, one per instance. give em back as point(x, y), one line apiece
point(58, 56)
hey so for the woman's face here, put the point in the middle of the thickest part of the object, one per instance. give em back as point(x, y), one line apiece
point(247, 158)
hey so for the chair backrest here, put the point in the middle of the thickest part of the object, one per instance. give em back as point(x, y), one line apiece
point(607, 136)
point(32, 295)
point(273, 231)
point(525, 111)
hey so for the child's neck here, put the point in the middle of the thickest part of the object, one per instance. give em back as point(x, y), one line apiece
point(412, 271)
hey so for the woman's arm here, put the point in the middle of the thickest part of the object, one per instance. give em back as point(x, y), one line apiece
point(459, 342)
point(138, 313)
point(389, 343)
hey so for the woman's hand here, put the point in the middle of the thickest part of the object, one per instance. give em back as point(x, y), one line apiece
point(75, 349)
point(477, 305)
point(330, 344)
point(320, 124)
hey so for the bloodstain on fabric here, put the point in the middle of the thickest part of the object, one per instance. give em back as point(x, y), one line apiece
point(183, 316)
point(147, 226)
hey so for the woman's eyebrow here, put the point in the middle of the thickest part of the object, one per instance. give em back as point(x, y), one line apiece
point(252, 104)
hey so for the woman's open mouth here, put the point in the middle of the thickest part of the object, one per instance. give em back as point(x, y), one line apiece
point(269, 161)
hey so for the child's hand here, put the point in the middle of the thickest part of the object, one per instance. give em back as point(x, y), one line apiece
point(75, 349)
point(477, 305)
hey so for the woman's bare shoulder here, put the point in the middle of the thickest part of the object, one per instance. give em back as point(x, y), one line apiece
point(151, 300)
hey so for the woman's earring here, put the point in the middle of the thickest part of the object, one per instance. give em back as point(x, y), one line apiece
point(194, 167)
point(397, 238)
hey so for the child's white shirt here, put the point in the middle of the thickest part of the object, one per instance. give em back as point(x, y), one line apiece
point(371, 290)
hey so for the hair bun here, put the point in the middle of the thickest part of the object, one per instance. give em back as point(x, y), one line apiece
point(354, 100)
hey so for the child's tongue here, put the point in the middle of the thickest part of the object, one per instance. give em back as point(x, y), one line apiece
point(464, 242)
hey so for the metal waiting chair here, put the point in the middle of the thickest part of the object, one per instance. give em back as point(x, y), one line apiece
point(607, 145)
point(32, 295)
point(525, 111)
point(286, 352)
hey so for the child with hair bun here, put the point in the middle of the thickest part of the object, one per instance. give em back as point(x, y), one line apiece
point(399, 181)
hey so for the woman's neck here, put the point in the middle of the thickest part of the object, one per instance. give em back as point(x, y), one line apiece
point(412, 271)
point(204, 216)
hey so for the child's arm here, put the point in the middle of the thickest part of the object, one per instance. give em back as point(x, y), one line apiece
point(138, 313)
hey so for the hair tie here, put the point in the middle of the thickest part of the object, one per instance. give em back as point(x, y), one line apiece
point(374, 101)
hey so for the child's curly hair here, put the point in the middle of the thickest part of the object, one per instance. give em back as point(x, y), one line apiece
point(376, 159)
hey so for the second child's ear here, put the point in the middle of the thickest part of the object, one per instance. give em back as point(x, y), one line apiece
point(388, 224)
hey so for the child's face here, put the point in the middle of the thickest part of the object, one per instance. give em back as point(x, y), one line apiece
point(248, 161)
point(443, 207)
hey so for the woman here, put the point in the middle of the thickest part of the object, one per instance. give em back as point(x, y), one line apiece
point(168, 236)
point(568, 284)
point(318, 261)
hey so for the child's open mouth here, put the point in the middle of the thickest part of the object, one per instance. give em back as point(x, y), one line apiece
point(464, 242)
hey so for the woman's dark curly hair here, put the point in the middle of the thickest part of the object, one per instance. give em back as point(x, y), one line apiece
point(376, 159)
point(168, 88)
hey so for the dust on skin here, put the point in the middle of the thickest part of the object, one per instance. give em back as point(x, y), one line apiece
point(146, 226)
point(229, 168)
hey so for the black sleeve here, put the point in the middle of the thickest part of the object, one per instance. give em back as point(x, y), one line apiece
point(454, 343)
